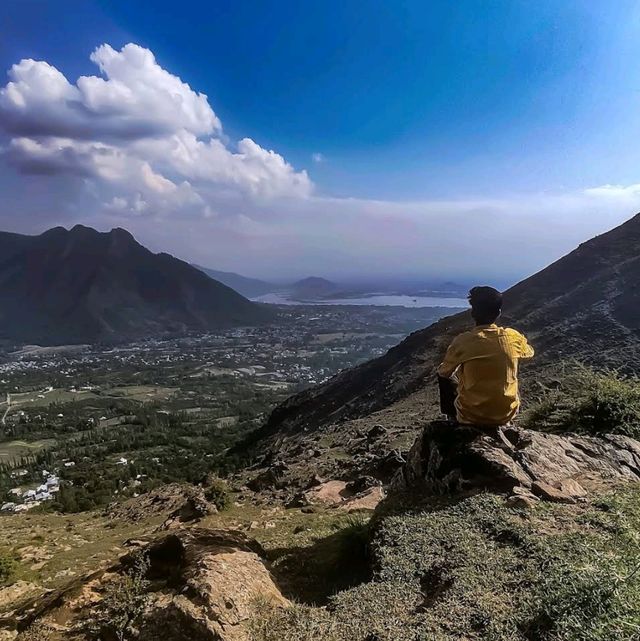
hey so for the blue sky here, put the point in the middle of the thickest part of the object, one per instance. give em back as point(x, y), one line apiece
point(422, 116)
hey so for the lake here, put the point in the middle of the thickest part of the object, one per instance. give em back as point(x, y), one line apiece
point(397, 300)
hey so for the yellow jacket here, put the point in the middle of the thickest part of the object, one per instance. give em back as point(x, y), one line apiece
point(485, 363)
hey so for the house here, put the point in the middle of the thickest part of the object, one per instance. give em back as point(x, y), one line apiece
point(16, 491)
point(43, 496)
point(29, 495)
point(8, 507)
point(70, 464)
point(122, 461)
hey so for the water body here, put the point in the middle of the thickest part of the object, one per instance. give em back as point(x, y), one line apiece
point(397, 300)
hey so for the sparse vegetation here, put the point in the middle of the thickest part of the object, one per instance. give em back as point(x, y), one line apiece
point(36, 632)
point(479, 570)
point(217, 492)
point(589, 401)
point(335, 558)
point(124, 600)
point(8, 567)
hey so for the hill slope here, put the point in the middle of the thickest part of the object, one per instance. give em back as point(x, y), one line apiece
point(248, 287)
point(584, 306)
point(80, 285)
point(313, 288)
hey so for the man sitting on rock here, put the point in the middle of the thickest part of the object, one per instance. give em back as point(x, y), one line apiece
point(479, 375)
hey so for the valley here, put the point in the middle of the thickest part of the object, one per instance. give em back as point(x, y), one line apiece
point(114, 422)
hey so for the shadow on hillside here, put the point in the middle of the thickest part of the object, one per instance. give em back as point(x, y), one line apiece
point(312, 574)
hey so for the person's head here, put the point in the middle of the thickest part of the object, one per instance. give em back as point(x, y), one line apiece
point(486, 304)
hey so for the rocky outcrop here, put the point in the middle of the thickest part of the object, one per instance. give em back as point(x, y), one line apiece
point(196, 584)
point(447, 459)
point(178, 503)
point(220, 577)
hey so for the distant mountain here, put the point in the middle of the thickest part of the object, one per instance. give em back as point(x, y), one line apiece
point(585, 306)
point(80, 285)
point(313, 288)
point(249, 287)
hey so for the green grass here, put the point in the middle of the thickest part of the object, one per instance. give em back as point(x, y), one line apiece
point(480, 570)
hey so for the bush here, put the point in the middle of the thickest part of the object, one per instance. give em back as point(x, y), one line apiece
point(588, 401)
point(8, 568)
point(217, 492)
point(124, 600)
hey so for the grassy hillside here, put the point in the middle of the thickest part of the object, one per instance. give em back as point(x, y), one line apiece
point(477, 569)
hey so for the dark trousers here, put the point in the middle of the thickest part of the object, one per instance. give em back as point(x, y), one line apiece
point(448, 392)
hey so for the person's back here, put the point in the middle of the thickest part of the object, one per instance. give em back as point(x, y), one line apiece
point(484, 362)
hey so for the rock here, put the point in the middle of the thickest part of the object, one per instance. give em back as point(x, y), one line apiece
point(314, 481)
point(202, 586)
point(329, 493)
point(179, 502)
point(271, 478)
point(376, 432)
point(447, 459)
point(389, 464)
point(222, 576)
point(572, 488)
point(367, 500)
point(16, 592)
point(551, 493)
point(522, 498)
point(298, 500)
point(521, 502)
point(362, 484)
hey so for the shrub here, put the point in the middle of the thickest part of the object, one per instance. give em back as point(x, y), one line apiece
point(8, 568)
point(217, 492)
point(589, 401)
point(124, 600)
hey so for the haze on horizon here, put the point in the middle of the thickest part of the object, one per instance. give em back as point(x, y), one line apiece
point(347, 140)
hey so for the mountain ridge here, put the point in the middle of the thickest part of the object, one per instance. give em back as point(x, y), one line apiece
point(249, 287)
point(82, 285)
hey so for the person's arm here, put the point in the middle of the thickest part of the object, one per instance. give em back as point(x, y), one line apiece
point(526, 351)
point(452, 360)
point(447, 384)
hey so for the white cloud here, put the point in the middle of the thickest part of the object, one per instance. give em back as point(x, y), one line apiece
point(317, 157)
point(135, 99)
point(136, 130)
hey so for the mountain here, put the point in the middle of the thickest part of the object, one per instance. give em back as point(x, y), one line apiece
point(249, 287)
point(81, 285)
point(313, 288)
point(585, 306)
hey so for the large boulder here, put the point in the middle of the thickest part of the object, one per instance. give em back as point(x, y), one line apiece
point(447, 459)
point(221, 576)
point(196, 585)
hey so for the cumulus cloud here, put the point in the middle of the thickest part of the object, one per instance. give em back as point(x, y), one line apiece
point(134, 99)
point(136, 131)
